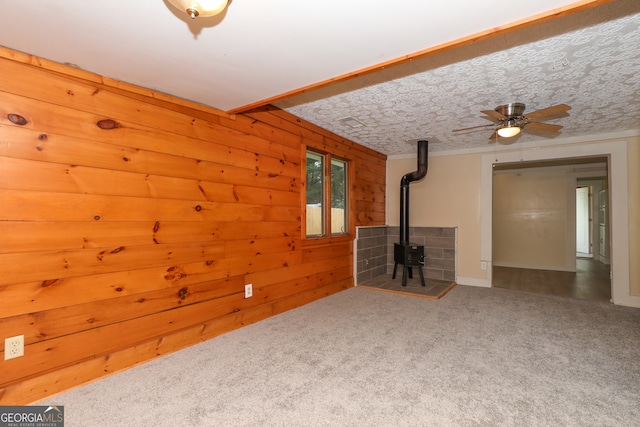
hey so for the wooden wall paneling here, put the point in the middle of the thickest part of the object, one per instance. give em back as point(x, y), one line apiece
point(372, 176)
point(29, 206)
point(256, 247)
point(40, 295)
point(48, 324)
point(32, 144)
point(44, 176)
point(125, 243)
point(229, 267)
point(60, 90)
point(55, 381)
point(367, 218)
point(369, 191)
point(290, 288)
point(61, 149)
point(60, 351)
point(53, 265)
point(99, 99)
point(68, 178)
point(249, 195)
point(45, 67)
point(27, 236)
point(370, 207)
point(49, 274)
point(293, 272)
point(319, 252)
point(264, 122)
point(263, 127)
point(372, 161)
point(64, 350)
point(153, 136)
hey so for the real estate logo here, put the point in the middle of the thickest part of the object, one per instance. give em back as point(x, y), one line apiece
point(31, 416)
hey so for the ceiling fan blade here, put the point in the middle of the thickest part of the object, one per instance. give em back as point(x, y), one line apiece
point(494, 136)
point(472, 127)
point(555, 109)
point(545, 127)
point(494, 114)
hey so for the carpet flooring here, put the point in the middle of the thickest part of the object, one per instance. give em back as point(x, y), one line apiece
point(477, 357)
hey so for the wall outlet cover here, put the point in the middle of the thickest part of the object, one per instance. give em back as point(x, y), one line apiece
point(13, 347)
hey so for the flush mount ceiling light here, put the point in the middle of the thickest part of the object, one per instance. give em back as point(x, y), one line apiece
point(510, 129)
point(203, 8)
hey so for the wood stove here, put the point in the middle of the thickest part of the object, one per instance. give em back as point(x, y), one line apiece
point(409, 255)
point(406, 253)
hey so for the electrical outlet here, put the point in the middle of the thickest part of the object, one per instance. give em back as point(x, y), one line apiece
point(483, 265)
point(248, 290)
point(13, 347)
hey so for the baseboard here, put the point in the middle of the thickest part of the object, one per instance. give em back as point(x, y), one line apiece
point(627, 301)
point(473, 281)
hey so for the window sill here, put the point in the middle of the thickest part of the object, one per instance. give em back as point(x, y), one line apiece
point(326, 240)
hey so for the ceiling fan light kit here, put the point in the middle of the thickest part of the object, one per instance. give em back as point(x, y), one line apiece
point(510, 129)
point(202, 8)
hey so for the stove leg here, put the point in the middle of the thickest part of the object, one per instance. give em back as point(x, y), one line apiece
point(421, 275)
point(410, 272)
point(395, 267)
point(404, 275)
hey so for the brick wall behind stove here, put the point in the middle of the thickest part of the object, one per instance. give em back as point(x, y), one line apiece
point(439, 249)
point(371, 257)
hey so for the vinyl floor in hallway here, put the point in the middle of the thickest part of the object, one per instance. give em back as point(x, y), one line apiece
point(590, 282)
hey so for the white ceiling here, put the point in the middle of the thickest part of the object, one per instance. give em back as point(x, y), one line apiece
point(258, 50)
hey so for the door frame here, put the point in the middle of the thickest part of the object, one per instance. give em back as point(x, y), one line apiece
point(616, 150)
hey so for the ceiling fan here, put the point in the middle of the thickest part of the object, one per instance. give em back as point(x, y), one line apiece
point(511, 120)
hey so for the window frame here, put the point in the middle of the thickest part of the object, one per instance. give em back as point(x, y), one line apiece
point(328, 159)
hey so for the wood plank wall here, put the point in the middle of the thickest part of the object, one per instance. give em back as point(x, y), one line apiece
point(121, 244)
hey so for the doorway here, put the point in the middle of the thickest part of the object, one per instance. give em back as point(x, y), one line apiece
point(616, 150)
point(543, 228)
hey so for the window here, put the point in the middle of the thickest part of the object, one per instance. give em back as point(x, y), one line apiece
point(327, 195)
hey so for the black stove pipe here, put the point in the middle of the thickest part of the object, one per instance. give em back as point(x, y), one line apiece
point(421, 172)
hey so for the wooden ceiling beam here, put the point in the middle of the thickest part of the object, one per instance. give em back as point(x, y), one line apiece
point(464, 41)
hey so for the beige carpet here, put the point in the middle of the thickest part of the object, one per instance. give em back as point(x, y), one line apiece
point(477, 357)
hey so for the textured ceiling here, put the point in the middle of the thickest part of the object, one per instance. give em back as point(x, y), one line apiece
point(589, 60)
point(258, 51)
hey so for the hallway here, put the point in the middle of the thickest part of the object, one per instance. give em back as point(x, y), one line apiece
point(590, 282)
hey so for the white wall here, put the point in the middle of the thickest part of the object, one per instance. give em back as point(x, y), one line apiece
point(532, 212)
